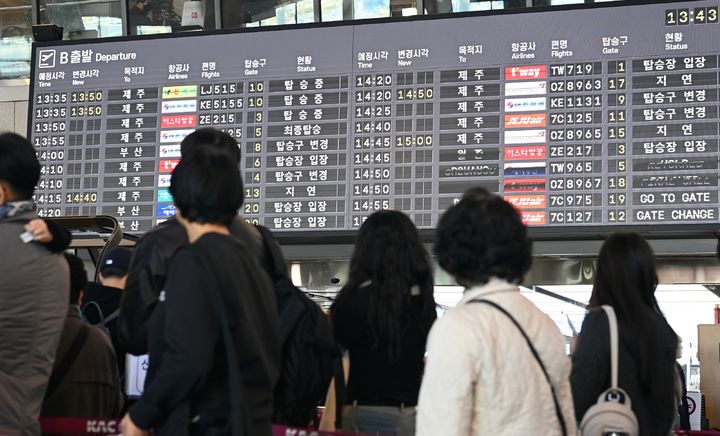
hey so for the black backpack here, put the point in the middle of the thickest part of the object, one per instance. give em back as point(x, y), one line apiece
point(310, 356)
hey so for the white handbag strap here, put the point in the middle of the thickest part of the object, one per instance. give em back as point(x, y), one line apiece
point(612, 323)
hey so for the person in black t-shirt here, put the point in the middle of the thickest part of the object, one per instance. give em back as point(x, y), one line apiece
point(382, 317)
point(214, 335)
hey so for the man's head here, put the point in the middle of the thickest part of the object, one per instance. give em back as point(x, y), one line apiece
point(206, 187)
point(78, 277)
point(114, 268)
point(208, 137)
point(19, 168)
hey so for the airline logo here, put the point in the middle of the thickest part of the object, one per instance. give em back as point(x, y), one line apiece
point(165, 210)
point(184, 91)
point(526, 72)
point(164, 181)
point(174, 121)
point(167, 165)
point(527, 201)
point(173, 135)
point(534, 218)
point(532, 104)
point(524, 185)
point(524, 169)
point(160, 221)
point(513, 89)
point(525, 121)
point(164, 196)
point(170, 151)
point(525, 136)
point(179, 106)
point(527, 152)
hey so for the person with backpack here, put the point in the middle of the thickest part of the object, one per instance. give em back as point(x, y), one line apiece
point(382, 316)
point(85, 382)
point(101, 301)
point(152, 253)
point(496, 364)
point(310, 355)
point(626, 280)
point(214, 335)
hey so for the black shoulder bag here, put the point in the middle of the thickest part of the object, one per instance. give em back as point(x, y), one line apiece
point(535, 354)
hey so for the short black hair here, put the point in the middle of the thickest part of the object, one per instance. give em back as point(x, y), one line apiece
point(213, 138)
point(483, 237)
point(476, 192)
point(207, 187)
point(19, 165)
point(78, 276)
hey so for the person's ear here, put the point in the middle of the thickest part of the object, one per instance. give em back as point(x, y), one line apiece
point(4, 192)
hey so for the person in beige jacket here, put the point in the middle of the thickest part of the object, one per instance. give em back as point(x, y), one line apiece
point(481, 377)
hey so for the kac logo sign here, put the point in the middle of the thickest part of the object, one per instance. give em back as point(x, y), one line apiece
point(47, 59)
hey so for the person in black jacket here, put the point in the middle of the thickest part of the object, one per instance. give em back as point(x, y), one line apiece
point(626, 280)
point(152, 254)
point(382, 317)
point(101, 301)
point(214, 336)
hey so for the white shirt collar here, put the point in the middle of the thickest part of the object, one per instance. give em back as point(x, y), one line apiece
point(494, 285)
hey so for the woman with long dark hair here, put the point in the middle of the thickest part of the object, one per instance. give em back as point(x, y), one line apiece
point(382, 316)
point(626, 280)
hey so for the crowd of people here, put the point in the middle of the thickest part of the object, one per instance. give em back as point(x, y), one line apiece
point(196, 295)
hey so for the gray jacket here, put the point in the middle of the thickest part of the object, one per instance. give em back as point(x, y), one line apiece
point(34, 296)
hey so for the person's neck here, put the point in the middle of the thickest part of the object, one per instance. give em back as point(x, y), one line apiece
point(196, 230)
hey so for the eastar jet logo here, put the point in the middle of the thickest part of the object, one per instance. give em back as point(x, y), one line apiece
point(525, 121)
point(171, 121)
point(179, 91)
point(534, 218)
point(528, 152)
point(166, 166)
point(527, 201)
point(47, 59)
point(513, 89)
point(526, 72)
point(179, 106)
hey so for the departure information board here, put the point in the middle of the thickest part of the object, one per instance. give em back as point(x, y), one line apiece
point(579, 117)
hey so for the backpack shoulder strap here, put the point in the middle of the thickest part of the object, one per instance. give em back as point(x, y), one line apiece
point(613, 326)
point(272, 249)
point(67, 360)
point(536, 355)
point(97, 307)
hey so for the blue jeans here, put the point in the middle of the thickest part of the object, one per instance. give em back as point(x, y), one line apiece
point(379, 420)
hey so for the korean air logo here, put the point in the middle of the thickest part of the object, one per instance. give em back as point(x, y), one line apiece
point(525, 104)
point(174, 135)
point(47, 58)
point(164, 181)
point(170, 151)
point(165, 210)
point(179, 106)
